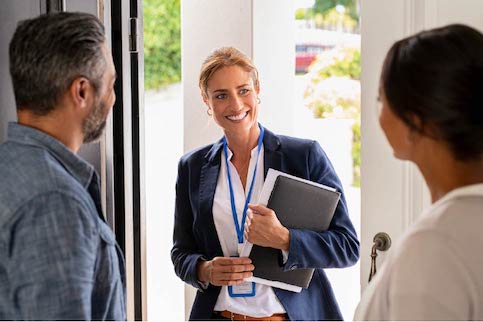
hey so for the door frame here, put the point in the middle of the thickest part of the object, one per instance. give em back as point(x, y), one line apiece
point(128, 147)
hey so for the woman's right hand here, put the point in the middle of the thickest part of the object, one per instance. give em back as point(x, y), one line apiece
point(223, 271)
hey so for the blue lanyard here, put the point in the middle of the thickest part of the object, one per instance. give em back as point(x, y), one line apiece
point(239, 228)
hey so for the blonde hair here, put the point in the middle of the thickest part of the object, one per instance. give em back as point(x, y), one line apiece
point(224, 57)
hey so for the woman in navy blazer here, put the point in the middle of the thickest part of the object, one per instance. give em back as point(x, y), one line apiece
point(230, 87)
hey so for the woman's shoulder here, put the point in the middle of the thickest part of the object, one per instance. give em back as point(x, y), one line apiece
point(298, 150)
point(293, 143)
point(296, 141)
point(456, 216)
point(198, 154)
point(445, 235)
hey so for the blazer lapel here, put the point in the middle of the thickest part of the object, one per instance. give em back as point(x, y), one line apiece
point(272, 157)
point(208, 180)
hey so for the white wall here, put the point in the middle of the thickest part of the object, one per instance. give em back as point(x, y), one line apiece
point(463, 11)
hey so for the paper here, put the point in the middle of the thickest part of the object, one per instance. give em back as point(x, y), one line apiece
point(284, 286)
point(262, 200)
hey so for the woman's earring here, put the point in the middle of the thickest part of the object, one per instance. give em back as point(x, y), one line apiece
point(259, 100)
point(209, 112)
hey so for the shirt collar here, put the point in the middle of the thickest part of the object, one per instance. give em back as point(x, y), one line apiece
point(253, 153)
point(77, 167)
point(465, 191)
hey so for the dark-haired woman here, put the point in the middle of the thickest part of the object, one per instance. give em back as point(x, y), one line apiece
point(431, 92)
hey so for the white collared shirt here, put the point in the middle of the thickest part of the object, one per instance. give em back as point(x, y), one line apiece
point(265, 302)
point(436, 270)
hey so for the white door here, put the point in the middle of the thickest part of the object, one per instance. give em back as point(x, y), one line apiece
point(393, 193)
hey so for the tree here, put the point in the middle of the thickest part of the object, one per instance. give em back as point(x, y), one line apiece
point(351, 7)
point(162, 43)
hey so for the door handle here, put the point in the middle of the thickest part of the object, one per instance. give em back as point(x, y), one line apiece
point(382, 242)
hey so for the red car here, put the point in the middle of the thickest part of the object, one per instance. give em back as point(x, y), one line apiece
point(306, 53)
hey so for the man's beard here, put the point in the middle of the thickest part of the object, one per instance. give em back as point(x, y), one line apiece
point(95, 122)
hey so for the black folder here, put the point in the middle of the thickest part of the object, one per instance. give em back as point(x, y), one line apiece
point(299, 205)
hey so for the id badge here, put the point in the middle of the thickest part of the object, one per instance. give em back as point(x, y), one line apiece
point(246, 289)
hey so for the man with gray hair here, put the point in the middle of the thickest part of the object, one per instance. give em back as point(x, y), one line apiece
point(59, 258)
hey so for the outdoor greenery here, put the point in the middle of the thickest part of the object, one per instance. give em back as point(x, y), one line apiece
point(301, 14)
point(332, 14)
point(333, 97)
point(162, 43)
point(325, 6)
point(333, 91)
point(344, 62)
point(333, 19)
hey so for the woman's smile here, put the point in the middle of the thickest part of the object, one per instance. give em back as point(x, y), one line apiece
point(237, 117)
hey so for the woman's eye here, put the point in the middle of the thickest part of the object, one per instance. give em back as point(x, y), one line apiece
point(221, 96)
point(244, 91)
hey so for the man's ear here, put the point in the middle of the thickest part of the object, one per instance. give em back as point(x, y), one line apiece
point(80, 92)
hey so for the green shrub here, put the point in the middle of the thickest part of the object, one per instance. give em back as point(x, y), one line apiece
point(162, 43)
point(333, 88)
point(350, 7)
point(334, 97)
point(334, 20)
point(301, 14)
point(342, 61)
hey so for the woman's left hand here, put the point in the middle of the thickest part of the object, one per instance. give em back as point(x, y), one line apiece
point(264, 229)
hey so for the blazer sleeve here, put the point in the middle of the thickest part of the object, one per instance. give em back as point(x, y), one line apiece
point(336, 247)
point(185, 253)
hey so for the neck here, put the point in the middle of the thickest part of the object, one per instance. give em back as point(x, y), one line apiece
point(56, 124)
point(449, 175)
point(241, 144)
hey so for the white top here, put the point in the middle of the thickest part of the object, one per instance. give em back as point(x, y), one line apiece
point(265, 302)
point(436, 271)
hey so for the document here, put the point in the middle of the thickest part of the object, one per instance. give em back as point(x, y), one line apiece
point(299, 204)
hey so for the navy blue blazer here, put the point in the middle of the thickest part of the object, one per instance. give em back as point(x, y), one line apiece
point(195, 234)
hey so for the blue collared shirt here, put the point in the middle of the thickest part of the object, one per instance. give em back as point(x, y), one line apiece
point(58, 258)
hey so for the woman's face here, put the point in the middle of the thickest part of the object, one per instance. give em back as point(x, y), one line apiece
point(232, 97)
point(398, 134)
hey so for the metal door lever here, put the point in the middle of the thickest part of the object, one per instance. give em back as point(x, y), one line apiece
point(382, 242)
